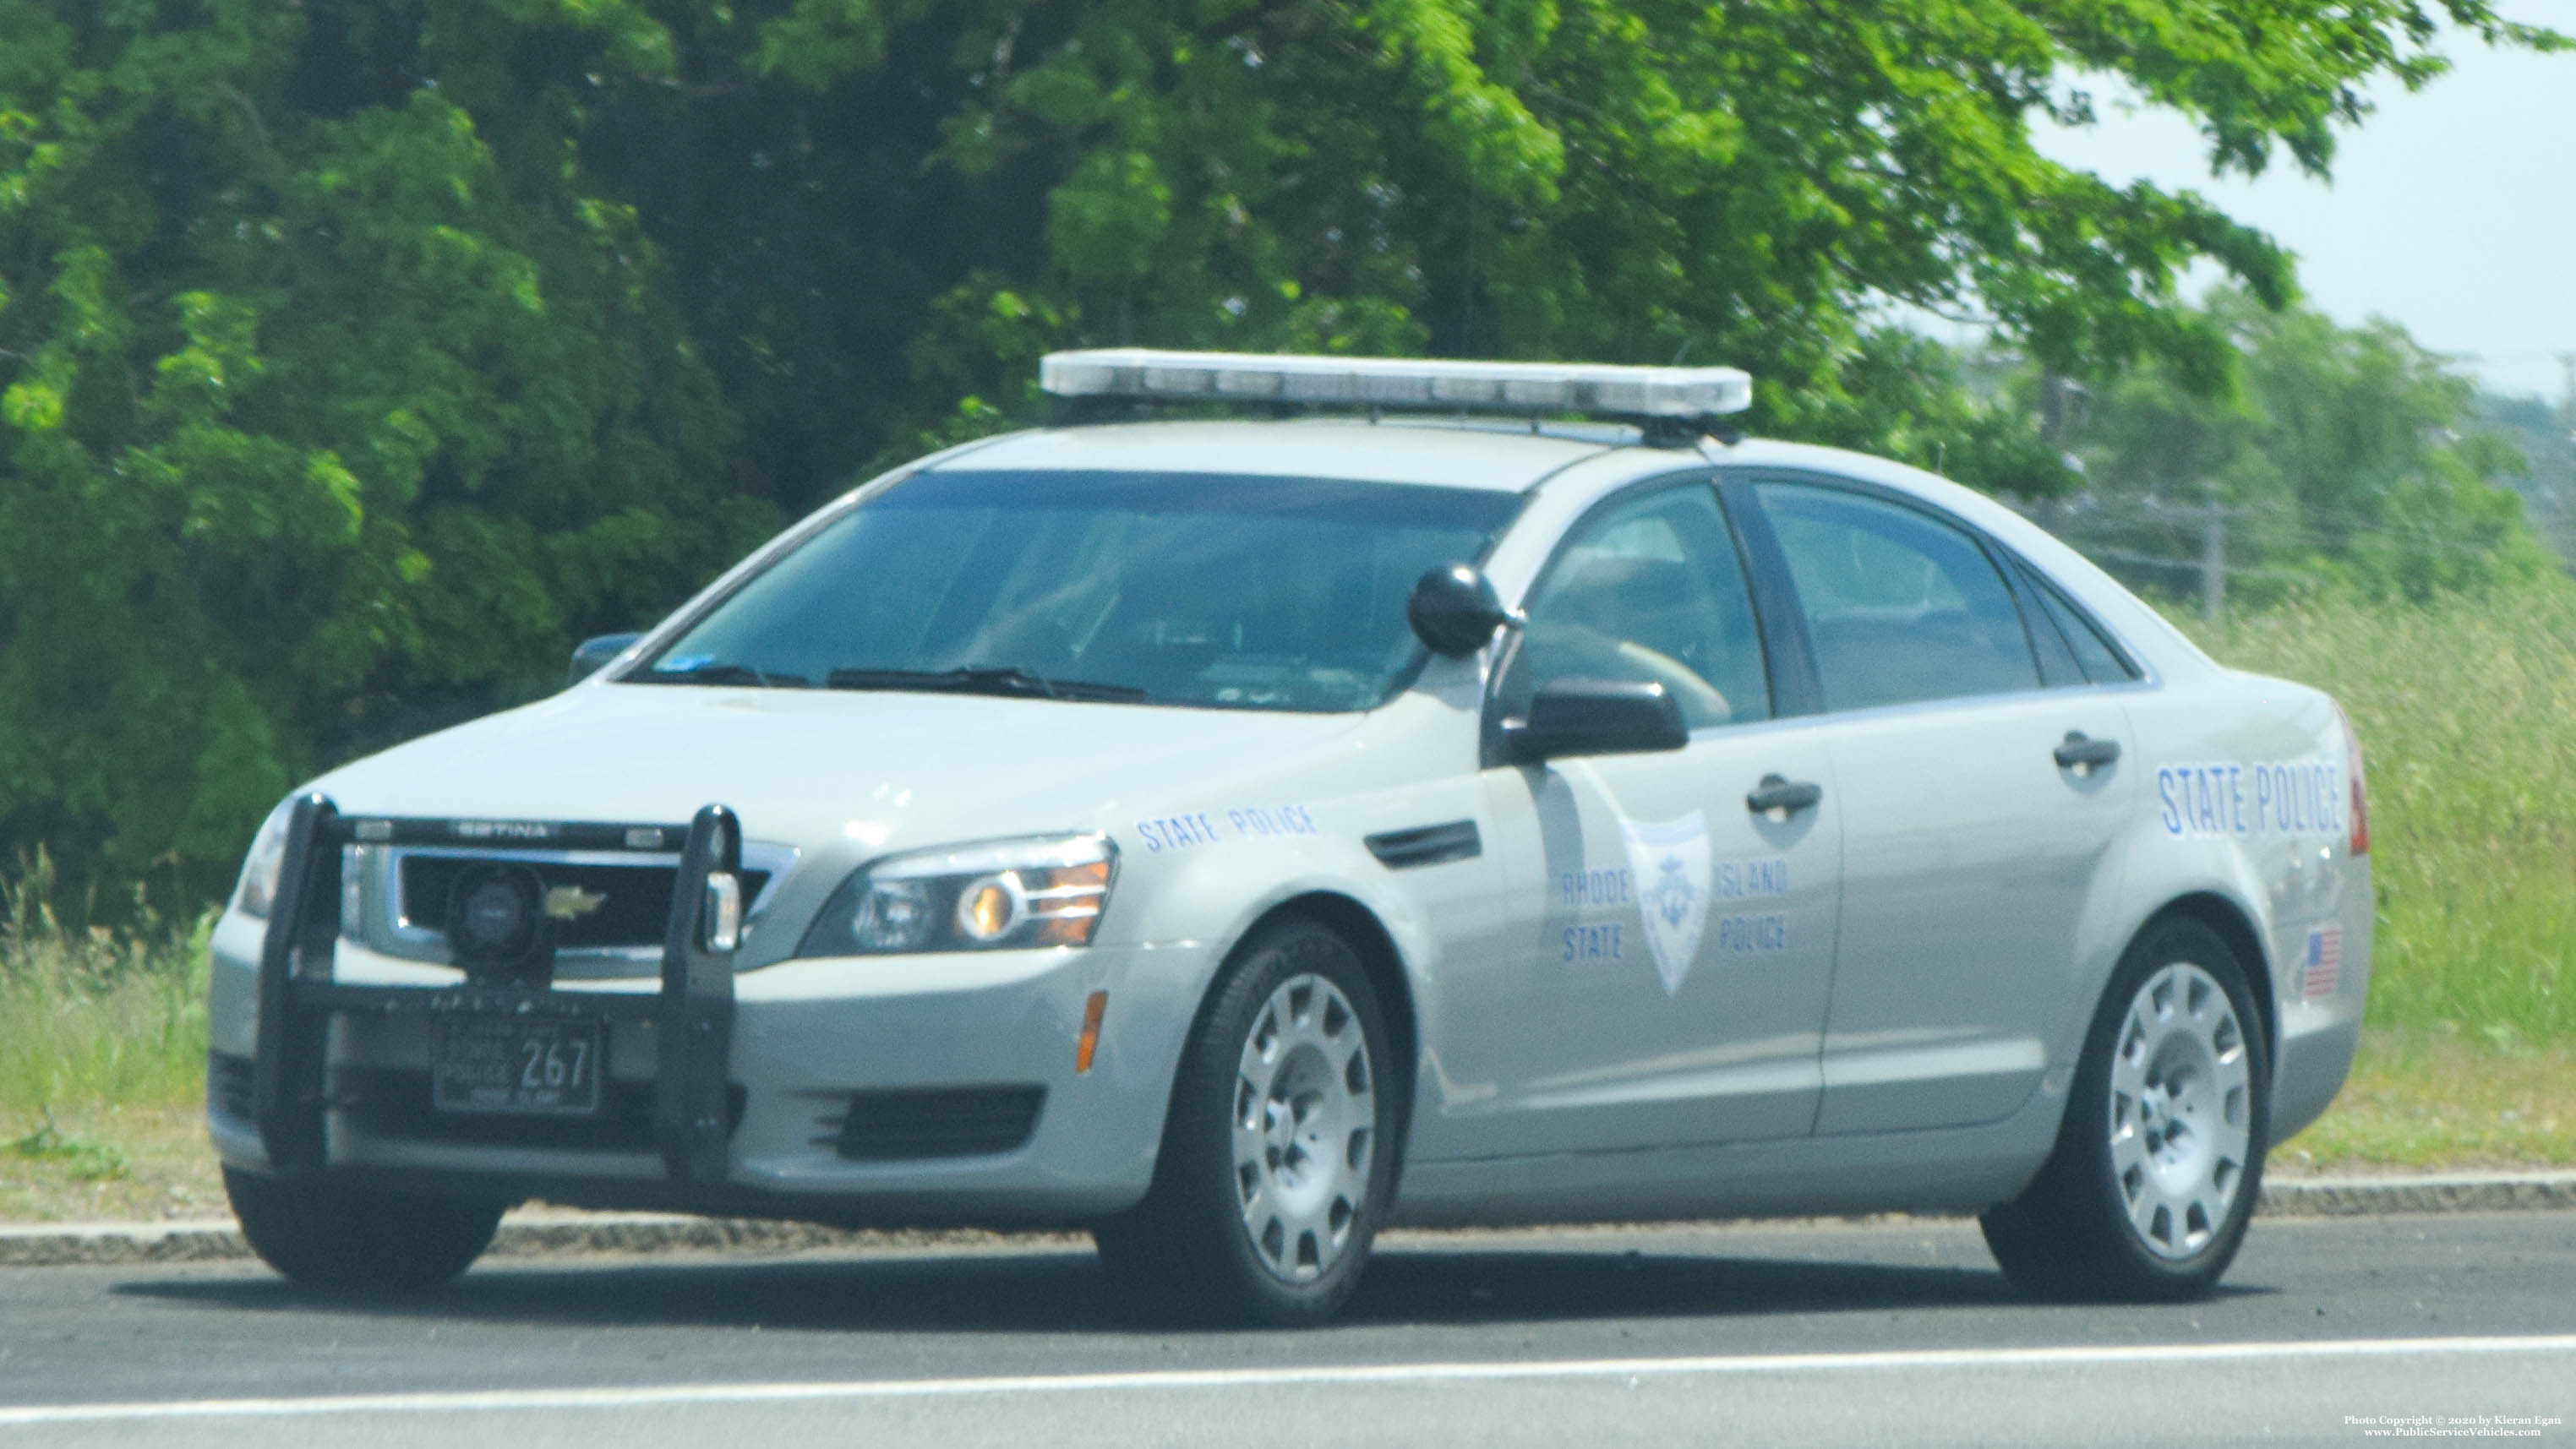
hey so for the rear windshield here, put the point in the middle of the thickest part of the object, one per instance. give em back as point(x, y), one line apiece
point(1187, 589)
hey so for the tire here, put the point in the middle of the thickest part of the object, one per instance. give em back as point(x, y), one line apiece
point(355, 1241)
point(1279, 1151)
point(2158, 1163)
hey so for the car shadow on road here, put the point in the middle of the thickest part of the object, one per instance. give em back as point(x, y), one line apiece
point(1065, 1290)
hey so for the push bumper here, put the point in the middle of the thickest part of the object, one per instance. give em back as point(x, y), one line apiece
point(889, 1091)
point(299, 994)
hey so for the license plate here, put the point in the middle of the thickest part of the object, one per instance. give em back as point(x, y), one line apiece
point(503, 1064)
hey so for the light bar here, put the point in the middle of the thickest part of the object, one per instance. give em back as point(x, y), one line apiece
point(1398, 382)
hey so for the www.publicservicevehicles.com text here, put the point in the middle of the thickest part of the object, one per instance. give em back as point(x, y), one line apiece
point(2451, 1426)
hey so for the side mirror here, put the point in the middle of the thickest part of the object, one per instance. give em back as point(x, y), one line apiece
point(1599, 717)
point(1455, 610)
point(593, 655)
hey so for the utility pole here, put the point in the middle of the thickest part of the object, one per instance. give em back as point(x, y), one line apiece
point(2213, 561)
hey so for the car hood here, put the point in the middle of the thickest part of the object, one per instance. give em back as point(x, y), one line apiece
point(809, 767)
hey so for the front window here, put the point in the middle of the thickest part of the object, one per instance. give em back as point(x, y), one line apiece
point(1649, 589)
point(1165, 588)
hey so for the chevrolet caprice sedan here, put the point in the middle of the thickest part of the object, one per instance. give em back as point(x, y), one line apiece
point(1233, 837)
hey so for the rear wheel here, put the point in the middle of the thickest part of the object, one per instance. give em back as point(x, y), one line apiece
point(349, 1240)
point(1278, 1154)
point(2160, 1158)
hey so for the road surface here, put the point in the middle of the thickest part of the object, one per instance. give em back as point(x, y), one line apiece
point(1834, 1334)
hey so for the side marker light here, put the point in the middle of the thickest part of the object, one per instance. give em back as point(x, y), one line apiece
point(1089, 1042)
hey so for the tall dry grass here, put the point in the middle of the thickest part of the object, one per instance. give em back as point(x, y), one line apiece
point(97, 1015)
point(2466, 709)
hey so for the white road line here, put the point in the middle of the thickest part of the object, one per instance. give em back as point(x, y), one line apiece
point(657, 1396)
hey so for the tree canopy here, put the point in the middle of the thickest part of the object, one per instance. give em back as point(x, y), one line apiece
point(2336, 454)
point(355, 355)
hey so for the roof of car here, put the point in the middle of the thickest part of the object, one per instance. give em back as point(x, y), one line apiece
point(1503, 457)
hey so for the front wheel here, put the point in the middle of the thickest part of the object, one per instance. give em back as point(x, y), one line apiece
point(2160, 1158)
point(359, 1241)
point(1278, 1155)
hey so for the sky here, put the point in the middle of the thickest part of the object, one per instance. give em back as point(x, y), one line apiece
point(2452, 210)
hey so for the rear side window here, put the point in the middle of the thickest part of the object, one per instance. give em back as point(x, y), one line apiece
point(1900, 608)
point(2094, 654)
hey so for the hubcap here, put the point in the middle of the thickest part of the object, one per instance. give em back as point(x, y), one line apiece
point(1305, 1124)
point(2181, 1110)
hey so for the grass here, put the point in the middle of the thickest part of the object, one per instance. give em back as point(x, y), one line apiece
point(2467, 708)
point(100, 1162)
point(97, 1014)
point(102, 1061)
point(2423, 1099)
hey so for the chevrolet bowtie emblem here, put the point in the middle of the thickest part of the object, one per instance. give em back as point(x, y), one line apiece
point(571, 902)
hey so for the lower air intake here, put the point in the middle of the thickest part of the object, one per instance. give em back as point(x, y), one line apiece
point(939, 1122)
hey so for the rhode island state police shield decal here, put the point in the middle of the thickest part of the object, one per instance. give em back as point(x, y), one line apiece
point(1671, 862)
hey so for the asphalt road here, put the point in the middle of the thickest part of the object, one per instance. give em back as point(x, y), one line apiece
point(1781, 1335)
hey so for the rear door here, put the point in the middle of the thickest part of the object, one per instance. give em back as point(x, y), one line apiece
point(1979, 804)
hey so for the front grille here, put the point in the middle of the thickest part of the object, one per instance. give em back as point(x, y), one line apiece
point(939, 1122)
point(394, 1103)
point(633, 902)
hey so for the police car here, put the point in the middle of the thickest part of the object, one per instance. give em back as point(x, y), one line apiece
point(1235, 836)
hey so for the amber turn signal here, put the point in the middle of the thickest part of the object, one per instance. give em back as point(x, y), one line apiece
point(1089, 1042)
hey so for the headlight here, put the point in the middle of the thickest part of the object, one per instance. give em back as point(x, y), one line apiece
point(997, 896)
point(258, 886)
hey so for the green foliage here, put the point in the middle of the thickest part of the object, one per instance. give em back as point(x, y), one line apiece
point(321, 406)
point(1906, 396)
point(2339, 454)
point(357, 355)
point(2545, 436)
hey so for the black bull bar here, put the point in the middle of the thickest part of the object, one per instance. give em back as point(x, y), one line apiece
point(692, 1017)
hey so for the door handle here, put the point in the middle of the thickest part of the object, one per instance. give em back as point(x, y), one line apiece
point(1780, 798)
point(2084, 755)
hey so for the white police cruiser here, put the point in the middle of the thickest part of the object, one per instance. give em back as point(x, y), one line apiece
point(1236, 836)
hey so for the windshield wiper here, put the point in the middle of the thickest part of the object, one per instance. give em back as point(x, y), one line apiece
point(724, 674)
point(982, 679)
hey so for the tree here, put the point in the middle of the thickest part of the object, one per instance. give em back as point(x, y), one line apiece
point(2334, 452)
point(2546, 438)
point(1637, 181)
point(317, 408)
point(357, 354)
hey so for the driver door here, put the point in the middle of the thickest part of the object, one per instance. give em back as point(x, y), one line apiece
point(1673, 947)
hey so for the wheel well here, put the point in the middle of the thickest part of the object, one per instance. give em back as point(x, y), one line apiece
point(2221, 915)
point(1359, 926)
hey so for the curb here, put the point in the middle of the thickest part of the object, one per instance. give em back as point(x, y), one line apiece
point(552, 1233)
point(2459, 1192)
point(540, 1234)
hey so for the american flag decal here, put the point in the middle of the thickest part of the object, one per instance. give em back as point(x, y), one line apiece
point(2323, 969)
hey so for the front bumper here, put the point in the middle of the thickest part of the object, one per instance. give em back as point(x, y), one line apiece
point(883, 1090)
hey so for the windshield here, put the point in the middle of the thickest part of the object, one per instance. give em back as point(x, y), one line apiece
point(1168, 588)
